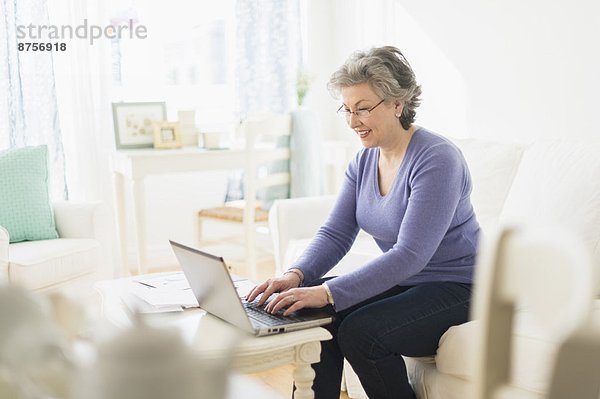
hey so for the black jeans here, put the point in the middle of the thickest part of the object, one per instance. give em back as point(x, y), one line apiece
point(374, 334)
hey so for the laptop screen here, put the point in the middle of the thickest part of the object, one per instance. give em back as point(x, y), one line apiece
point(212, 285)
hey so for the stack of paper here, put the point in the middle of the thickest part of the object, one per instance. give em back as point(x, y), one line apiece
point(165, 292)
point(169, 292)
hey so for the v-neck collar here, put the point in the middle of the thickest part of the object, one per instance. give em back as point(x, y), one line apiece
point(400, 167)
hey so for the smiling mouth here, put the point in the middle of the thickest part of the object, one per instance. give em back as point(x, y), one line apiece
point(363, 133)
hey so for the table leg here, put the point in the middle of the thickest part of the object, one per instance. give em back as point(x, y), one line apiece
point(304, 375)
point(122, 222)
point(139, 206)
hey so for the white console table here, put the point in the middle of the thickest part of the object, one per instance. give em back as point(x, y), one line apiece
point(131, 168)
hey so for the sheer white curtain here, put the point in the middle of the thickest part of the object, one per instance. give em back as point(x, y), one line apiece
point(28, 107)
point(82, 87)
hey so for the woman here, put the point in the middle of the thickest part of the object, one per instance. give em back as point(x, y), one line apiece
point(410, 189)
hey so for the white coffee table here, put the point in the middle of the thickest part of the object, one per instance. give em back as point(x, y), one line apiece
point(214, 338)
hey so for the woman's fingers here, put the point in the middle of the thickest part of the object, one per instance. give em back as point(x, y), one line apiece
point(298, 298)
point(297, 305)
point(272, 285)
point(282, 300)
point(266, 294)
point(267, 289)
point(256, 291)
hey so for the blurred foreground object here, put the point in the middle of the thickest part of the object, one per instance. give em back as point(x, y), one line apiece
point(546, 274)
point(143, 362)
point(33, 357)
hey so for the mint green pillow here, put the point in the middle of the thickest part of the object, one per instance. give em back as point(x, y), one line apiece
point(25, 209)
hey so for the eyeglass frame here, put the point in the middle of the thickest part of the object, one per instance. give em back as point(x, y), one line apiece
point(367, 112)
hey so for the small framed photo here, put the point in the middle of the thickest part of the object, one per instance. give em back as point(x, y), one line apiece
point(167, 135)
point(134, 123)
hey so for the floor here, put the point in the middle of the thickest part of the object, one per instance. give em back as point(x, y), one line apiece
point(280, 379)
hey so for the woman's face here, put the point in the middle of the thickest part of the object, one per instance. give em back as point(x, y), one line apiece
point(380, 127)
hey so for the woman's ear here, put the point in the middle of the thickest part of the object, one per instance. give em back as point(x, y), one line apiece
point(399, 107)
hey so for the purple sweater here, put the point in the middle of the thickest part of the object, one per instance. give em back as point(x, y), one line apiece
point(425, 225)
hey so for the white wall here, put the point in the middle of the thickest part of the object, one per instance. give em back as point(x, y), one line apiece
point(505, 70)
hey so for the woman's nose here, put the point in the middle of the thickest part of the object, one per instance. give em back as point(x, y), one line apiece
point(353, 121)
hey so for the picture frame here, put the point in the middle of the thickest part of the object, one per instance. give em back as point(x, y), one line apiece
point(167, 135)
point(134, 123)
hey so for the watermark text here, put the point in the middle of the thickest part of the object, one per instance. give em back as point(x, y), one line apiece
point(86, 31)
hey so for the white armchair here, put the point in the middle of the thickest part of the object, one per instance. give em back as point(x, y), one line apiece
point(57, 263)
point(545, 182)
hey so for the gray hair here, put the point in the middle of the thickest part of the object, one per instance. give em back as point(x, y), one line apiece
point(388, 73)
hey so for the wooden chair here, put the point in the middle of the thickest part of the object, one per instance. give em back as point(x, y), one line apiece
point(261, 135)
point(548, 275)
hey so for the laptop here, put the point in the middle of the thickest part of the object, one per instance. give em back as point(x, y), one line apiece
point(216, 293)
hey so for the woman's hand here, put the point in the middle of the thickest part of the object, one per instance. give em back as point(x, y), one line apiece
point(272, 285)
point(298, 298)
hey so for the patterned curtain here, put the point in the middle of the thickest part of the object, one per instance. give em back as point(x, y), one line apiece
point(268, 56)
point(28, 108)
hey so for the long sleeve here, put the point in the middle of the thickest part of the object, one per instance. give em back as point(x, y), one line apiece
point(334, 239)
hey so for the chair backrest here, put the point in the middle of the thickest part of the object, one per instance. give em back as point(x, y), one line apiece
point(262, 133)
point(546, 273)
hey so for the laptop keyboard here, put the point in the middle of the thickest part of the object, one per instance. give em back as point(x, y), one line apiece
point(257, 312)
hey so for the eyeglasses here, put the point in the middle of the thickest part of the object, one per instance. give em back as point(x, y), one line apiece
point(360, 113)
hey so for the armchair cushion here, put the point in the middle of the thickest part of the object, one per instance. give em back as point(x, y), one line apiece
point(42, 263)
point(533, 354)
point(26, 212)
point(58, 263)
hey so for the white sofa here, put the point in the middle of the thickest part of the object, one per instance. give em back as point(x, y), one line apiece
point(542, 183)
point(63, 263)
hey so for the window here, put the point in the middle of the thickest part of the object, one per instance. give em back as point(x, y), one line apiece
point(186, 59)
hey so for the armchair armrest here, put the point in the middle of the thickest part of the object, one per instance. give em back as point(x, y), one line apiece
point(73, 220)
point(4, 240)
point(296, 218)
point(78, 220)
point(91, 220)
